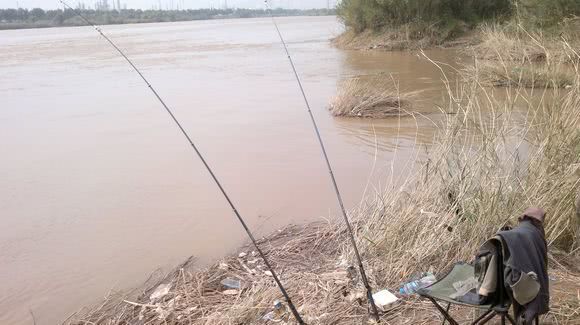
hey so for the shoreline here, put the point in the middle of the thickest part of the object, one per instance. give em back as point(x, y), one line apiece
point(310, 259)
point(400, 40)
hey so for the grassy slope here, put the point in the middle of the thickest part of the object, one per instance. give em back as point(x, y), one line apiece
point(510, 55)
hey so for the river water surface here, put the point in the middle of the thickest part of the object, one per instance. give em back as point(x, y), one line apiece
point(99, 188)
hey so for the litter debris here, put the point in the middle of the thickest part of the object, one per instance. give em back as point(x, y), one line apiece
point(336, 275)
point(254, 254)
point(251, 271)
point(356, 296)
point(383, 299)
point(322, 319)
point(352, 274)
point(242, 255)
point(223, 266)
point(231, 283)
point(269, 316)
point(427, 279)
point(231, 292)
point(164, 310)
point(279, 309)
point(371, 321)
point(161, 291)
point(268, 273)
point(412, 286)
point(463, 287)
point(162, 313)
point(277, 314)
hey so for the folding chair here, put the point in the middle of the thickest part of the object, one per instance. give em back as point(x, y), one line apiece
point(443, 290)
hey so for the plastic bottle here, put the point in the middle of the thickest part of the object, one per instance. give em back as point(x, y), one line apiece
point(231, 283)
point(412, 286)
point(428, 279)
point(279, 308)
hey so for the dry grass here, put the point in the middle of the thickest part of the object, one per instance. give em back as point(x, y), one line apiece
point(514, 43)
point(406, 37)
point(512, 56)
point(370, 97)
point(393, 40)
point(489, 162)
point(526, 75)
point(504, 44)
point(305, 257)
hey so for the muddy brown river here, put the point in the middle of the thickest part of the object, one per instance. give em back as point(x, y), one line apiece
point(99, 188)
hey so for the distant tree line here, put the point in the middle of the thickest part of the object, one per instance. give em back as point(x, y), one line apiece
point(24, 18)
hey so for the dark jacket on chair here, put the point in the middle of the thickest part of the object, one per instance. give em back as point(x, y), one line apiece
point(526, 274)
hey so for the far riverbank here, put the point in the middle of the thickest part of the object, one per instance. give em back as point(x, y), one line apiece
point(39, 18)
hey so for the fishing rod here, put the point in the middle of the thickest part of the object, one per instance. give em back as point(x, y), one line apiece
point(364, 278)
point(201, 157)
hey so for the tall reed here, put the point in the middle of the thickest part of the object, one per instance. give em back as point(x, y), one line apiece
point(503, 151)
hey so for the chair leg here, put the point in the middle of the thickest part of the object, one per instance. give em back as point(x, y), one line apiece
point(447, 310)
point(512, 321)
point(444, 312)
point(488, 318)
point(537, 320)
point(484, 315)
point(502, 319)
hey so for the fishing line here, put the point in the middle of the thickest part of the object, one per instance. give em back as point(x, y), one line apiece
point(374, 310)
point(213, 176)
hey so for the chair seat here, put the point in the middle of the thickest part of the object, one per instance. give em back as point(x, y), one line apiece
point(444, 290)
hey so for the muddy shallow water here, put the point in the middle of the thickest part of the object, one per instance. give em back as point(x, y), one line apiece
point(98, 186)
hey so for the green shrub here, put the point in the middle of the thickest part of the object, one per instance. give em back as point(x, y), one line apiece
point(546, 13)
point(362, 15)
point(375, 14)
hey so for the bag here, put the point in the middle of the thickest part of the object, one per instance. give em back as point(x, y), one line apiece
point(485, 269)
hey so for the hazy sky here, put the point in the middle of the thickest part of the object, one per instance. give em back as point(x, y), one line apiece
point(148, 4)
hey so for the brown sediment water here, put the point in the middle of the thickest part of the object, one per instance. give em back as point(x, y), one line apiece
point(98, 188)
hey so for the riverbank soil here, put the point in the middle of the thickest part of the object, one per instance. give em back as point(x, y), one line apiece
point(402, 39)
point(319, 279)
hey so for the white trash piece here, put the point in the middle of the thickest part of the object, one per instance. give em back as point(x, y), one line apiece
point(383, 299)
point(231, 283)
point(161, 291)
